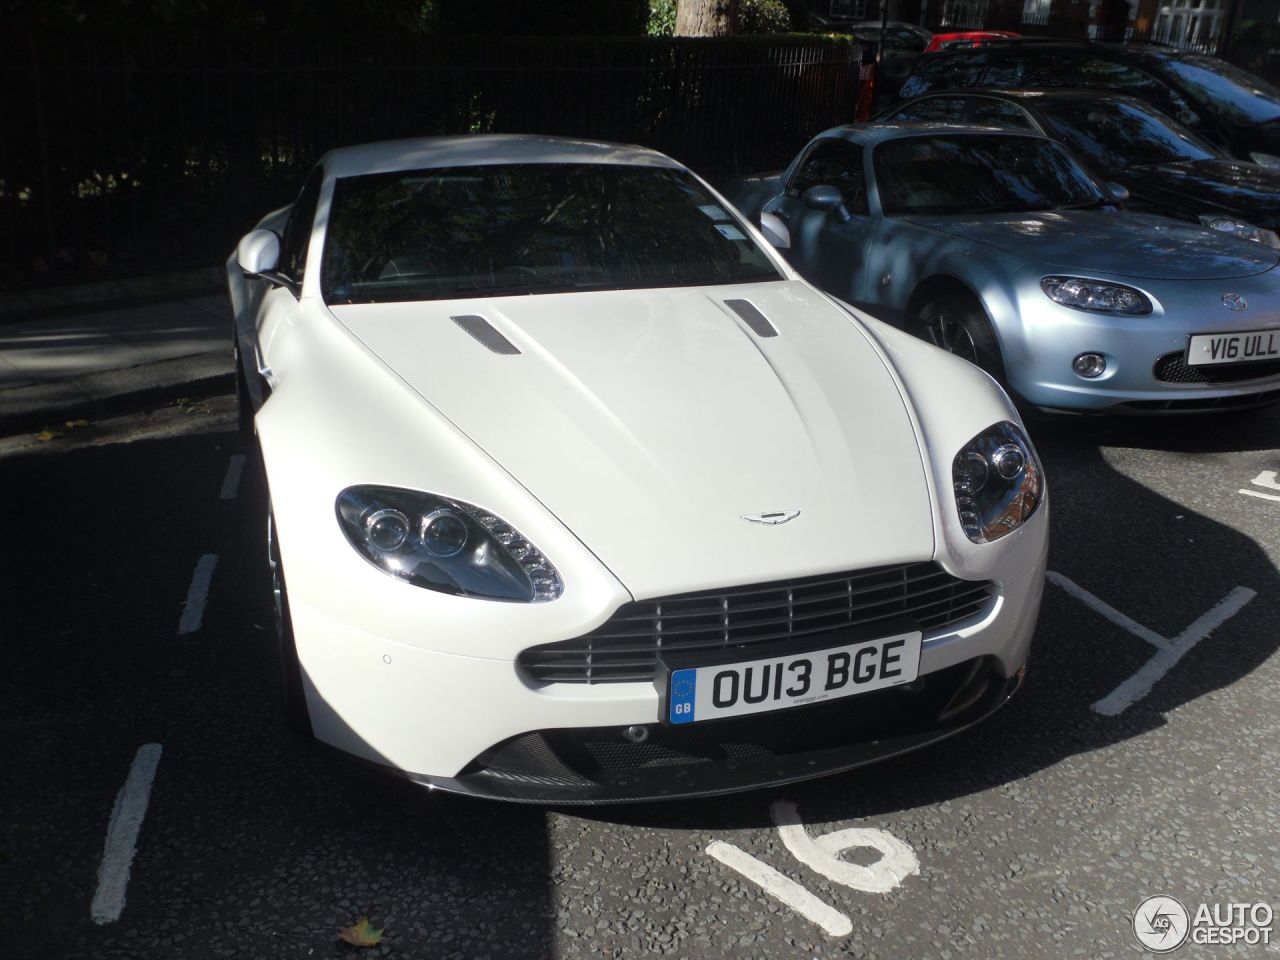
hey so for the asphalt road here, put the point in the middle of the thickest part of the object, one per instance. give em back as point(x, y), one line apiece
point(1035, 835)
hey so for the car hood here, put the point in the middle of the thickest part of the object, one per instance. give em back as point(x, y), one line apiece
point(1246, 190)
point(1118, 243)
point(650, 422)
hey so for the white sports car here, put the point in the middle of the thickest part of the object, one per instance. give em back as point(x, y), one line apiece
point(581, 494)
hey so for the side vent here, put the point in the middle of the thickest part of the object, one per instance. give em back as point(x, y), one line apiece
point(485, 334)
point(754, 319)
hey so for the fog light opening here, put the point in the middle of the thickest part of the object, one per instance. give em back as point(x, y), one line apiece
point(1089, 365)
point(636, 734)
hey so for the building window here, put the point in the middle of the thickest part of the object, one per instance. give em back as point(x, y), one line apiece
point(1036, 12)
point(970, 14)
point(1190, 24)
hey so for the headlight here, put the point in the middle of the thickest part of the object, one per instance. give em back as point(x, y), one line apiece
point(1238, 228)
point(445, 545)
point(1094, 295)
point(1270, 161)
point(997, 482)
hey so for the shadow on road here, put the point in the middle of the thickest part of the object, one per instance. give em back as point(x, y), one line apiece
point(253, 844)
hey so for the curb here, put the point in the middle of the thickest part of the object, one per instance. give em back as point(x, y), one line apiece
point(113, 392)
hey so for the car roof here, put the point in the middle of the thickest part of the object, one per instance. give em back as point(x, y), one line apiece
point(482, 150)
point(869, 134)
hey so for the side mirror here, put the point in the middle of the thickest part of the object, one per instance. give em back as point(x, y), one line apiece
point(775, 231)
point(258, 253)
point(1119, 193)
point(828, 200)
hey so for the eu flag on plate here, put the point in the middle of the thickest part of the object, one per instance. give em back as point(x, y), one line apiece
point(684, 684)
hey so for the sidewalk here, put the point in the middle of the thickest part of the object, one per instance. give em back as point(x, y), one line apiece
point(112, 361)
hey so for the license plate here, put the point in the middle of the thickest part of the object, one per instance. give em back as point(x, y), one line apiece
point(1211, 348)
point(792, 680)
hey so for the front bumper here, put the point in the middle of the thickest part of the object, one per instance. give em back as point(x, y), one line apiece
point(599, 765)
point(1146, 372)
point(453, 721)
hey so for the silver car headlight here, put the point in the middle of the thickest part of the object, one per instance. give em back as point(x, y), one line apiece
point(445, 545)
point(997, 481)
point(1095, 296)
point(1238, 228)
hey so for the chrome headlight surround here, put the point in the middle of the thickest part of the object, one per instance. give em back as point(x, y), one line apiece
point(1095, 296)
point(1242, 229)
point(445, 545)
point(997, 482)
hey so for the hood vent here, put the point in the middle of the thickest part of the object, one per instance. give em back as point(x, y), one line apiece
point(486, 334)
point(754, 319)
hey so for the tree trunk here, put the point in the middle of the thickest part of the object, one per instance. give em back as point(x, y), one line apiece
point(706, 18)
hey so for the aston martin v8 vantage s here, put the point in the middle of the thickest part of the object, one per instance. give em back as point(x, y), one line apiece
point(998, 246)
point(580, 494)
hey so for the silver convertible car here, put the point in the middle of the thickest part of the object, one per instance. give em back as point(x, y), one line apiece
point(1000, 248)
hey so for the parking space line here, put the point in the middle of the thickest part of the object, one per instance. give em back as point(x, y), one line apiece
point(1140, 684)
point(122, 835)
point(1108, 611)
point(782, 888)
point(231, 482)
point(197, 595)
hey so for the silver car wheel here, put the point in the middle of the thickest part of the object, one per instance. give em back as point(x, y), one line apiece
point(950, 333)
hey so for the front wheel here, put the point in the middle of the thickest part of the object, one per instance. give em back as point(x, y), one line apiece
point(957, 324)
point(244, 403)
point(293, 695)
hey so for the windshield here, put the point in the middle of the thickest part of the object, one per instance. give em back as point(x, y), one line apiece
point(507, 230)
point(978, 173)
point(1239, 95)
point(1114, 134)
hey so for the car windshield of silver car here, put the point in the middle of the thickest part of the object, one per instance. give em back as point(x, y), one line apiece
point(978, 173)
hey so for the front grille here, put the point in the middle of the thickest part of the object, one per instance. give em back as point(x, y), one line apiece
point(1173, 368)
point(625, 648)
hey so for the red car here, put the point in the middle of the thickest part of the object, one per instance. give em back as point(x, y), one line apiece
point(966, 38)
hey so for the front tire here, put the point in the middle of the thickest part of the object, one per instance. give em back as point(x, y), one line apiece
point(958, 324)
point(244, 403)
point(292, 692)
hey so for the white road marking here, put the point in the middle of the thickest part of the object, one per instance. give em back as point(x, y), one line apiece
point(197, 595)
point(1108, 611)
point(122, 835)
point(822, 854)
point(782, 888)
point(1267, 478)
point(231, 482)
point(1264, 496)
point(1140, 684)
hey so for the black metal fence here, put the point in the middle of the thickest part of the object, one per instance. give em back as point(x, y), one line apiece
point(136, 152)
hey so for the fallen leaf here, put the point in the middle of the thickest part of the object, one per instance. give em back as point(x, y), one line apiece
point(360, 934)
point(44, 436)
point(98, 258)
point(73, 424)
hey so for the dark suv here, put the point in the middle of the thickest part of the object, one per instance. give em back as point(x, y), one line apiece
point(1226, 105)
